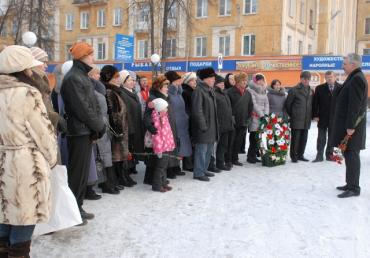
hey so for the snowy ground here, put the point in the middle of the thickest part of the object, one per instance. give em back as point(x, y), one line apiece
point(253, 211)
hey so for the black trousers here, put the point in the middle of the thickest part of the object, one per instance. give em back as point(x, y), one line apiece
point(79, 155)
point(222, 147)
point(298, 143)
point(230, 145)
point(188, 162)
point(160, 173)
point(322, 139)
point(240, 133)
point(353, 165)
point(252, 150)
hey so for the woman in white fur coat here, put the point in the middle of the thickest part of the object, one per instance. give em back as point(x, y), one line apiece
point(28, 150)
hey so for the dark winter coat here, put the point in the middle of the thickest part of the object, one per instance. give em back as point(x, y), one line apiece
point(351, 103)
point(177, 104)
point(277, 101)
point(187, 92)
point(135, 122)
point(299, 107)
point(234, 95)
point(224, 111)
point(80, 103)
point(322, 102)
point(242, 106)
point(204, 114)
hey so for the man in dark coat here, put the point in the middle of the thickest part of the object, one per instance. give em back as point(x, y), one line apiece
point(84, 120)
point(350, 119)
point(321, 112)
point(204, 122)
point(299, 108)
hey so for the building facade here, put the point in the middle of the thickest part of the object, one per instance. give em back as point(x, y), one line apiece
point(363, 28)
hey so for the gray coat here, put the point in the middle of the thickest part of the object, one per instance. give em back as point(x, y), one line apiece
point(260, 105)
point(276, 101)
point(299, 107)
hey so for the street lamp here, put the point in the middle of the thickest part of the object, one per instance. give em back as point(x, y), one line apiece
point(29, 38)
point(155, 59)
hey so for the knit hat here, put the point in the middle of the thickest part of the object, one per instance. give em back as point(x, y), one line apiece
point(16, 59)
point(219, 79)
point(39, 54)
point(206, 73)
point(240, 77)
point(80, 50)
point(107, 73)
point(188, 77)
point(66, 67)
point(160, 104)
point(172, 76)
point(124, 75)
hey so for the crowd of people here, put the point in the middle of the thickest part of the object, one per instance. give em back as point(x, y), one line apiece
point(107, 121)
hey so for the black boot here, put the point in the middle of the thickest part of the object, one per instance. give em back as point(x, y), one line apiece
point(126, 174)
point(20, 250)
point(90, 193)
point(109, 190)
point(4, 247)
point(171, 174)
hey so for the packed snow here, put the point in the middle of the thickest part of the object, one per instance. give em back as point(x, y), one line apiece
point(251, 211)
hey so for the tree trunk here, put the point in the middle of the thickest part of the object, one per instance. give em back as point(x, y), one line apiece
point(40, 23)
point(19, 22)
point(166, 8)
point(31, 16)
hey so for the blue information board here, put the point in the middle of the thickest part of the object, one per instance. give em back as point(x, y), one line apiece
point(124, 48)
point(320, 63)
point(365, 62)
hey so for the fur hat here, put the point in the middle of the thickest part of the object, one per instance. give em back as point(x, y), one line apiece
point(188, 77)
point(80, 50)
point(124, 75)
point(160, 104)
point(206, 73)
point(172, 76)
point(16, 59)
point(107, 73)
point(219, 79)
point(240, 77)
point(39, 54)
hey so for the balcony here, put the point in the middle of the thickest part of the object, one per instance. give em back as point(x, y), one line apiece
point(172, 24)
point(89, 2)
point(141, 26)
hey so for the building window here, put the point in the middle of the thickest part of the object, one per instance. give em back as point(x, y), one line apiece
point(367, 26)
point(366, 51)
point(142, 49)
point(171, 47)
point(68, 54)
point(300, 47)
point(69, 21)
point(310, 49)
point(311, 19)
point(225, 7)
point(101, 18)
point(143, 15)
point(224, 45)
point(101, 51)
point(250, 6)
point(202, 8)
point(302, 13)
point(249, 45)
point(291, 8)
point(200, 46)
point(172, 17)
point(117, 17)
point(289, 49)
point(84, 20)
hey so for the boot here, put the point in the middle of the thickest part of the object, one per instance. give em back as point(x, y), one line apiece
point(20, 250)
point(110, 190)
point(90, 193)
point(4, 246)
point(129, 179)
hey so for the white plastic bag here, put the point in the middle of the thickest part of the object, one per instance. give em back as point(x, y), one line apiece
point(64, 212)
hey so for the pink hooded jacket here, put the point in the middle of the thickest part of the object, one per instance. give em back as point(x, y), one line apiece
point(162, 141)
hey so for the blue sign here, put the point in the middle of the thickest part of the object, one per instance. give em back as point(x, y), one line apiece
point(228, 65)
point(319, 63)
point(142, 66)
point(365, 62)
point(124, 48)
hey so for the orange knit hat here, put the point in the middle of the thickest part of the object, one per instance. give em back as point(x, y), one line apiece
point(80, 50)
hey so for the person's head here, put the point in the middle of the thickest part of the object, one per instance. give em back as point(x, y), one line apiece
point(160, 105)
point(276, 84)
point(160, 84)
point(109, 75)
point(127, 81)
point(351, 62)
point(241, 80)
point(95, 72)
point(41, 56)
point(220, 82)
point(143, 81)
point(207, 75)
point(330, 77)
point(229, 80)
point(16, 58)
point(305, 78)
point(82, 51)
point(259, 79)
point(190, 79)
point(174, 78)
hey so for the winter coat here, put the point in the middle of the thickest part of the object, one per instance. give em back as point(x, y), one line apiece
point(118, 120)
point(277, 102)
point(28, 149)
point(104, 143)
point(321, 105)
point(187, 92)
point(242, 106)
point(135, 120)
point(234, 95)
point(299, 107)
point(204, 114)
point(182, 121)
point(163, 140)
point(224, 111)
point(351, 103)
point(260, 105)
point(80, 104)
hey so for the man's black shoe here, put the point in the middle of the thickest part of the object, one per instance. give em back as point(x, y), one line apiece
point(209, 174)
point(214, 170)
point(343, 188)
point(223, 167)
point(318, 160)
point(303, 159)
point(294, 160)
point(237, 163)
point(202, 178)
point(91, 195)
point(349, 193)
point(85, 215)
point(250, 160)
point(180, 173)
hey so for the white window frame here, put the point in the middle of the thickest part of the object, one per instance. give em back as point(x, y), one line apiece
point(289, 45)
point(172, 47)
point(302, 12)
point(117, 16)
point(69, 21)
point(203, 46)
point(250, 35)
point(100, 18)
point(84, 20)
point(142, 53)
point(367, 19)
point(204, 8)
point(222, 45)
point(291, 8)
point(102, 52)
point(226, 11)
point(251, 4)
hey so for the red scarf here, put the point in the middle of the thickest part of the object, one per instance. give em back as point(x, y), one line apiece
point(145, 94)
